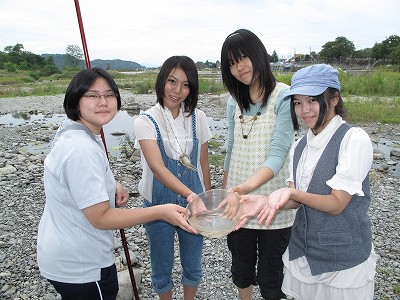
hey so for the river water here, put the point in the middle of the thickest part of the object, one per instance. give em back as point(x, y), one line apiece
point(119, 132)
point(116, 133)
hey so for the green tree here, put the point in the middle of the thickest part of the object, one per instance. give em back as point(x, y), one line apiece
point(3, 59)
point(313, 55)
point(14, 59)
point(10, 67)
point(395, 55)
point(339, 49)
point(377, 51)
point(384, 50)
point(74, 56)
point(200, 65)
point(17, 48)
point(274, 57)
point(50, 66)
point(363, 53)
point(31, 61)
point(14, 54)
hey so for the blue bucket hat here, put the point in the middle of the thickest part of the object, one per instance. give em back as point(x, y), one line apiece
point(314, 80)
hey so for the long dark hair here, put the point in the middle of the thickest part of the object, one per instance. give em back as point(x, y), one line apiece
point(189, 67)
point(241, 43)
point(323, 100)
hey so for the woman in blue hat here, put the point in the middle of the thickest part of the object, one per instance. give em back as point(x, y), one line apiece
point(330, 253)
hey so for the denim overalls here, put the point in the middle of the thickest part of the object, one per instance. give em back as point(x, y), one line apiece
point(161, 234)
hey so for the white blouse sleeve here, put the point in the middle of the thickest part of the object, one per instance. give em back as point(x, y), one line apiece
point(203, 128)
point(355, 161)
point(144, 129)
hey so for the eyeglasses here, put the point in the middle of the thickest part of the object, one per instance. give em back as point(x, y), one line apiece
point(98, 96)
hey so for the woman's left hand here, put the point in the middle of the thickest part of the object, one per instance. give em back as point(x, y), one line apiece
point(231, 205)
point(197, 206)
point(121, 196)
point(251, 206)
point(276, 200)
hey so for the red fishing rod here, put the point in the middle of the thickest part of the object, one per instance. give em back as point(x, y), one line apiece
point(122, 232)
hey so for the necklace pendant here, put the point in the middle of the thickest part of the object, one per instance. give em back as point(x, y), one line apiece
point(253, 119)
point(184, 159)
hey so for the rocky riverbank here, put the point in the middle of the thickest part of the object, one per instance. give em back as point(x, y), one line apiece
point(22, 201)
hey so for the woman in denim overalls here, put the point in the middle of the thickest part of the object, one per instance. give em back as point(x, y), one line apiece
point(173, 136)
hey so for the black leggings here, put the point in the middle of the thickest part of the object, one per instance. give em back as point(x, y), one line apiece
point(104, 289)
point(257, 259)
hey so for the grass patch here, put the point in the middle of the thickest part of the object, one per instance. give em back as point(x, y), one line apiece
point(217, 159)
point(373, 109)
point(138, 83)
point(381, 87)
point(397, 289)
point(214, 144)
point(371, 83)
point(284, 77)
point(378, 82)
point(211, 85)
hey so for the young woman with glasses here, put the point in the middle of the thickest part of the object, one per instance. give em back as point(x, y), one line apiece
point(75, 237)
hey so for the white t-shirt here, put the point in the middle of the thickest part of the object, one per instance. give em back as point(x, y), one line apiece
point(182, 128)
point(77, 175)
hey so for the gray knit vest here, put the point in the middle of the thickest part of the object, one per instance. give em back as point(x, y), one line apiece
point(331, 243)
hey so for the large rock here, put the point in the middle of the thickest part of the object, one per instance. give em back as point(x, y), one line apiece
point(7, 170)
point(125, 285)
point(131, 106)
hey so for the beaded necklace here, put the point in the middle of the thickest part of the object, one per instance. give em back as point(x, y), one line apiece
point(253, 119)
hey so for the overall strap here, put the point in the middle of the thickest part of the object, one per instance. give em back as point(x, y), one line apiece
point(159, 139)
point(194, 126)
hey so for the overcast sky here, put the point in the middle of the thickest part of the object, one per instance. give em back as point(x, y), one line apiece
point(150, 31)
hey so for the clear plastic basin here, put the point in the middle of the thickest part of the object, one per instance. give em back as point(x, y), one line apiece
point(206, 218)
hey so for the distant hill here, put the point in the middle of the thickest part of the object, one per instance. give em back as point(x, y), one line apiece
point(114, 64)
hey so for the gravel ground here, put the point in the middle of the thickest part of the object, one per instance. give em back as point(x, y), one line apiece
point(22, 201)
